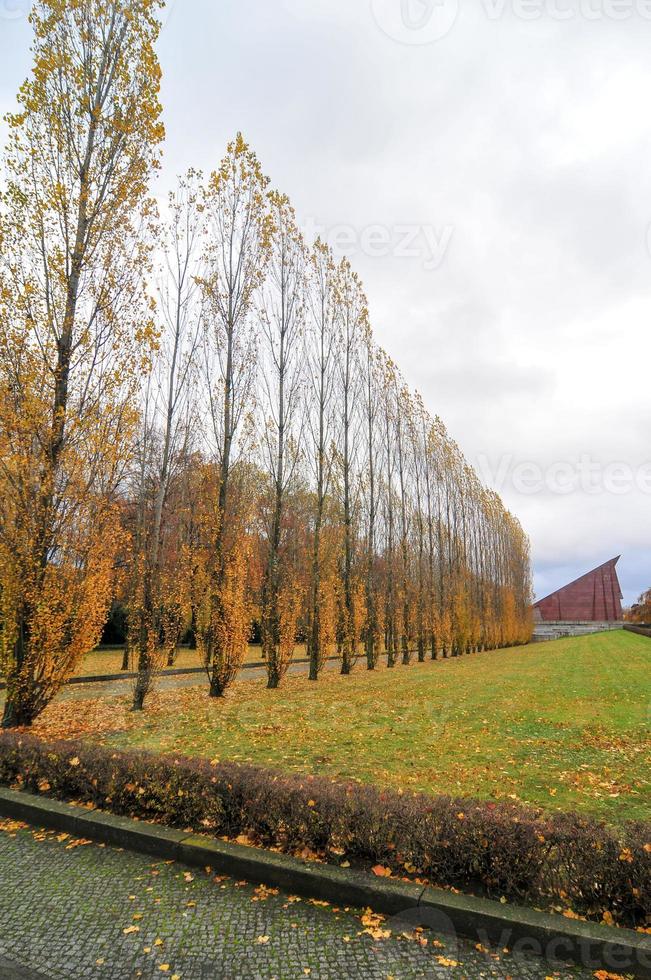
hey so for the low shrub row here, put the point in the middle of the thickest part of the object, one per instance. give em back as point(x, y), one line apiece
point(640, 630)
point(496, 849)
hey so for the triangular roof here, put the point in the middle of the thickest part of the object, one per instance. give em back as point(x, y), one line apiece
point(612, 561)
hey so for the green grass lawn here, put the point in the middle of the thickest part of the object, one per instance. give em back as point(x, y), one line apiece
point(562, 724)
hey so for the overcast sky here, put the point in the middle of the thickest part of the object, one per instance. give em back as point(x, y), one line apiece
point(486, 165)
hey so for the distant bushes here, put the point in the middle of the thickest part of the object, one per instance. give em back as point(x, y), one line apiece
point(115, 627)
point(498, 849)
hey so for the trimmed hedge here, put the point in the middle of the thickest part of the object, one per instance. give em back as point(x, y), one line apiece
point(498, 849)
point(640, 630)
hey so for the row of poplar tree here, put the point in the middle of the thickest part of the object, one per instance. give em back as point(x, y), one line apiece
point(194, 415)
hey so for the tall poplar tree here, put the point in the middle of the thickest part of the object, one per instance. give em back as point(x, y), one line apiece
point(235, 258)
point(74, 328)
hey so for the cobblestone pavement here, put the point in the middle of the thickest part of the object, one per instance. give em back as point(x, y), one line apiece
point(73, 910)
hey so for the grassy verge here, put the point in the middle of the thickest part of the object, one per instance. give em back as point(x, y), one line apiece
point(563, 724)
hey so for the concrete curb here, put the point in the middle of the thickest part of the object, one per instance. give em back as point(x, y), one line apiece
point(482, 920)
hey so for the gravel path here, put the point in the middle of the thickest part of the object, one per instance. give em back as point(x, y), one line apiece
point(78, 692)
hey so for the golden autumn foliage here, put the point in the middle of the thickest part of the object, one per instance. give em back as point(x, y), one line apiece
point(640, 611)
point(193, 406)
point(75, 327)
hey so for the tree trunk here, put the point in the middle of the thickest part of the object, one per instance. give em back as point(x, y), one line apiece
point(18, 713)
point(314, 635)
point(217, 688)
point(433, 647)
point(19, 706)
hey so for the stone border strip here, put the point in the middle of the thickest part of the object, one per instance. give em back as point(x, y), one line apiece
point(526, 930)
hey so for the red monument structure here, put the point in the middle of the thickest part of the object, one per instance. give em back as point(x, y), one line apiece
point(595, 597)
